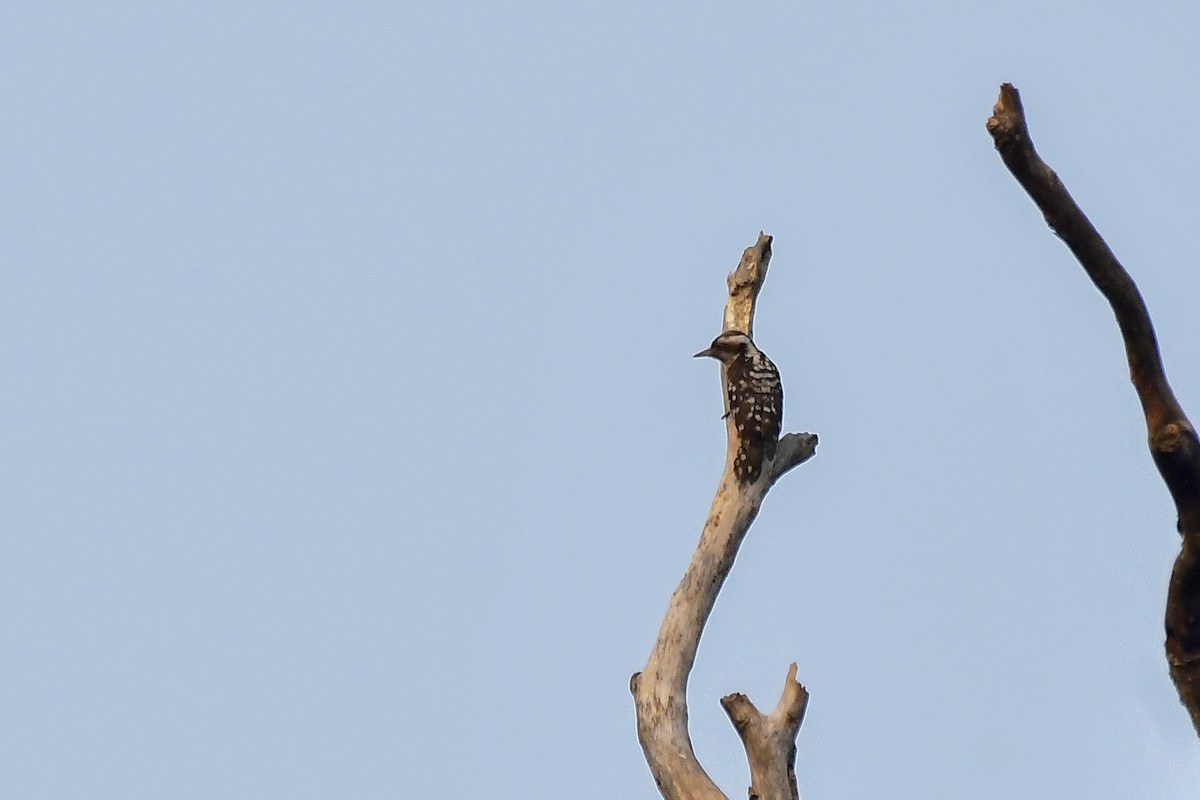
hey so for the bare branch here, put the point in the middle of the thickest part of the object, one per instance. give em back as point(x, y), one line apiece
point(745, 283)
point(770, 740)
point(1171, 437)
point(660, 690)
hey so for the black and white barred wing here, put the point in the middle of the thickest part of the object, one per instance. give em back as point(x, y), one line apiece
point(756, 405)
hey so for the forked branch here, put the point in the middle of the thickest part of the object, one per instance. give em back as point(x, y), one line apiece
point(660, 690)
point(1171, 437)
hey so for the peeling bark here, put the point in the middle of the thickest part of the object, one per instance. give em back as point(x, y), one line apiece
point(1171, 437)
point(660, 689)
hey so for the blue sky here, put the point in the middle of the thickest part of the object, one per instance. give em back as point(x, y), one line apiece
point(352, 444)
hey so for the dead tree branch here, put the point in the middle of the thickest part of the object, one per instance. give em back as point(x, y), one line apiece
point(1172, 439)
point(660, 690)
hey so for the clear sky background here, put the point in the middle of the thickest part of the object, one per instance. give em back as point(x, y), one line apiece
point(351, 443)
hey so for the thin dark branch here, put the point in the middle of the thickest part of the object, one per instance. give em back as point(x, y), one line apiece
point(1172, 439)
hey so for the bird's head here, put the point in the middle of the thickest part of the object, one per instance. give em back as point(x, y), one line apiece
point(728, 346)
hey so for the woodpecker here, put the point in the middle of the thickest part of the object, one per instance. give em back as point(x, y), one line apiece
point(755, 401)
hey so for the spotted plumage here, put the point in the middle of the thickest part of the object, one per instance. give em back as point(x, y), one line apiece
point(755, 401)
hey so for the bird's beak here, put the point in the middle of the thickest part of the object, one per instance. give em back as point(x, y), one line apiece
point(705, 353)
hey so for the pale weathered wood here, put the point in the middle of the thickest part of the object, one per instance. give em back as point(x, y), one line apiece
point(770, 739)
point(744, 284)
point(660, 690)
